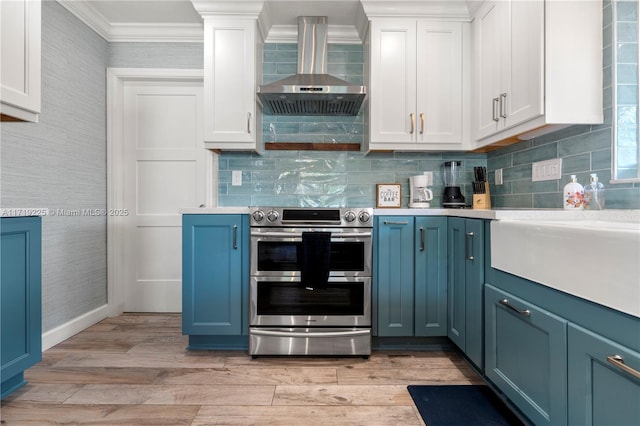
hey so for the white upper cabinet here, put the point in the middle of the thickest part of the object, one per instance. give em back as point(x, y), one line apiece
point(509, 61)
point(231, 58)
point(416, 84)
point(537, 67)
point(20, 59)
point(488, 32)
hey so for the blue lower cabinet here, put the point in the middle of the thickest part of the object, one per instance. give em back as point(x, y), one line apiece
point(410, 277)
point(20, 299)
point(466, 264)
point(526, 356)
point(215, 280)
point(604, 380)
point(430, 263)
point(394, 275)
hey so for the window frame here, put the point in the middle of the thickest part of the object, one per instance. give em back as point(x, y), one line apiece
point(614, 86)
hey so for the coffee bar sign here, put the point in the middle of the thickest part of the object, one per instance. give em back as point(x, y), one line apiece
point(388, 195)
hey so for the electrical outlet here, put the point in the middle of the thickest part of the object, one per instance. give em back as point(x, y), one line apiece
point(499, 177)
point(236, 178)
point(546, 170)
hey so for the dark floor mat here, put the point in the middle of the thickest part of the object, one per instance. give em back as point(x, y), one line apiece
point(461, 405)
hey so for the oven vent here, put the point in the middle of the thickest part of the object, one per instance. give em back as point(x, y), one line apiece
point(311, 91)
point(312, 105)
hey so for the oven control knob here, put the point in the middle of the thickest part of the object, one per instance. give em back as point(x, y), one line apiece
point(272, 216)
point(364, 217)
point(258, 216)
point(350, 216)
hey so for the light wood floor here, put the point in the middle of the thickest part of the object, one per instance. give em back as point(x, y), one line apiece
point(135, 370)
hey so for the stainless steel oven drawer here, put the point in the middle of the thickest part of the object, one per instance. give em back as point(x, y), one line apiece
point(310, 341)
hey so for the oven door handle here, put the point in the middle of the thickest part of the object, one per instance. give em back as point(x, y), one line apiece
point(261, 332)
point(336, 235)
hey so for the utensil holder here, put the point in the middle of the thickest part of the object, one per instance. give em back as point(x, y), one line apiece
point(482, 201)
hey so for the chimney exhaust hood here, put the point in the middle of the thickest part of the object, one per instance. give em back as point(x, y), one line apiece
point(311, 91)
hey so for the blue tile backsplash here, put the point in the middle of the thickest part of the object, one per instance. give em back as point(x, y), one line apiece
point(313, 178)
point(329, 179)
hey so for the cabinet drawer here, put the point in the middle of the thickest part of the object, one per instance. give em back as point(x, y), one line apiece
point(525, 356)
point(604, 391)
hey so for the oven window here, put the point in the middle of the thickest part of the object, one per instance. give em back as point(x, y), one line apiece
point(347, 256)
point(277, 256)
point(292, 298)
point(283, 256)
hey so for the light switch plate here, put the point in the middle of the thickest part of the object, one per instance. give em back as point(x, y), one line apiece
point(499, 177)
point(546, 170)
point(236, 178)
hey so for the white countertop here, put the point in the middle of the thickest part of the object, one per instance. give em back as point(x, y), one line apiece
point(215, 210)
point(498, 214)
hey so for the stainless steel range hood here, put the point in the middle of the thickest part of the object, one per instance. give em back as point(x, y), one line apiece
point(311, 91)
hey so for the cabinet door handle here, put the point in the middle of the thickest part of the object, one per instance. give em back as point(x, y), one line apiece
point(391, 222)
point(235, 237)
point(421, 122)
point(249, 122)
point(525, 312)
point(413, 122)
point(422, 238)
point(494, 113)
point(618, 361)
point(468, 248)
point(503, 105)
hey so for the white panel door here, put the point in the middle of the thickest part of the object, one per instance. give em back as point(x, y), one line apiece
point(230, 83)
point(439, 82)
point(165, 169)
point(393, 76)
point(523, 59)
point(489, 35)
point(20, 47)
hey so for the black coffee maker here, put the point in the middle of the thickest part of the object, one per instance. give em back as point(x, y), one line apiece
point(452, 174)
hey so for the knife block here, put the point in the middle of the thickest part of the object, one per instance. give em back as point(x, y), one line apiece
point(482, 201)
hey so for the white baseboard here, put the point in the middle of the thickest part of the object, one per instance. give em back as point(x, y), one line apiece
point(76, 325)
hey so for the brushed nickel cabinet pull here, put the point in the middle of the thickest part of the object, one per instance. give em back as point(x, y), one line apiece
point(413, 122)
point(422, 238)
point(249, 122)
point(468, 248)
point(235, 237)
point(525, 312)
point(421, 122)
point(391, 222)
point(503, 105)
point(618, 361)
point(495, 109)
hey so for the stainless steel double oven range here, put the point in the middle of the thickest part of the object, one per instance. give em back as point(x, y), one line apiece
point(310, 289)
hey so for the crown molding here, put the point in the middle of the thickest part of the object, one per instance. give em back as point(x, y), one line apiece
point(440, 9)
point(338, 34)
point(233, 8)
point(84, 11)
point(132, 32)
point(187, 33)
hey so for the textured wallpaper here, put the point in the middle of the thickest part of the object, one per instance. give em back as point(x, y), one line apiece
point(60, 164)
